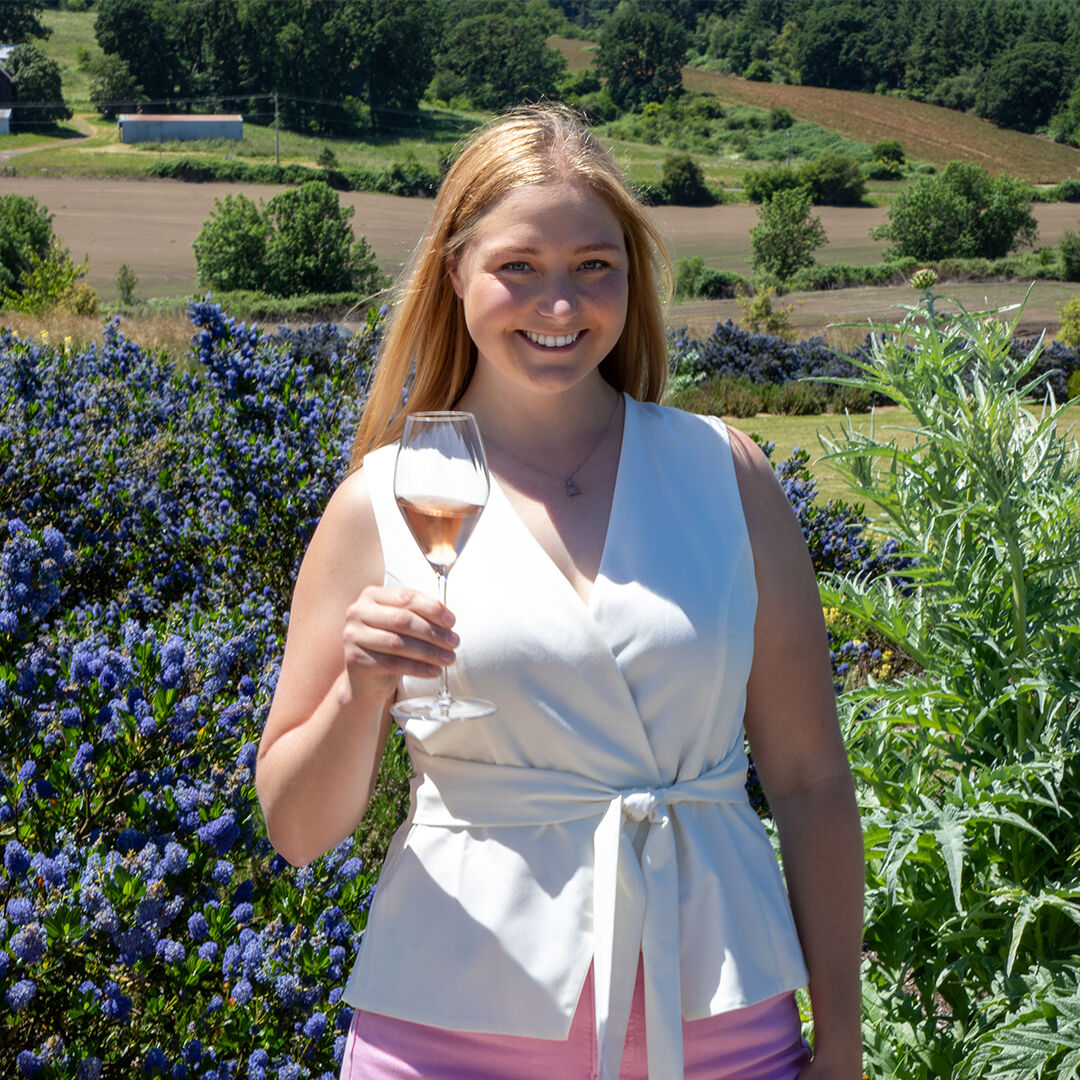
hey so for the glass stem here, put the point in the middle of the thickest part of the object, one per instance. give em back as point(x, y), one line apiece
point(444, 685)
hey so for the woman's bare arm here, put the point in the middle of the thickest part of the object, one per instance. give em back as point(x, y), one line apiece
point(795, 740)
point(350, 639)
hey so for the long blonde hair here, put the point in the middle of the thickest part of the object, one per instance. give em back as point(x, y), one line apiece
point(427, 338)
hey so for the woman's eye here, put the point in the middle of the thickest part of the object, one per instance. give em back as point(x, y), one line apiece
point(515, 267)
point(594, 264)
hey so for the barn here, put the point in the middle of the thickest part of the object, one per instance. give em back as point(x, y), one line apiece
point(161, 127)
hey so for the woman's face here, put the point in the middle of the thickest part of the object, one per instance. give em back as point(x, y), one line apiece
point(543, 281)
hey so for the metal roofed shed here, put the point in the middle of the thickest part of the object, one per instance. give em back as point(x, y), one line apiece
point(163, 127)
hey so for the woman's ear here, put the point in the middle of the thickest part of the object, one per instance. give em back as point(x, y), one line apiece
point(455, 276)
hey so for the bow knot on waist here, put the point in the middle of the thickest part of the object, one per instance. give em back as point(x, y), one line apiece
point(635, 898)
point(644, 803)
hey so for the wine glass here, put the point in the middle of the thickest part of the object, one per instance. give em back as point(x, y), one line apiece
point(441, 484)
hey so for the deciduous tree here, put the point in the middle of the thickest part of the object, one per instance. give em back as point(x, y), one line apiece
point(963, 212)
point(37, 82)
point(20, 20)
point(499, 61)
point(786, 236)
point(641, 53)
point(1023, 87)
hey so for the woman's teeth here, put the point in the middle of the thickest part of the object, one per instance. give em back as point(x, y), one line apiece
point(552, 342)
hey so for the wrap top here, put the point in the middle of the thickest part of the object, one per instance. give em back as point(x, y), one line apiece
point(600, 814)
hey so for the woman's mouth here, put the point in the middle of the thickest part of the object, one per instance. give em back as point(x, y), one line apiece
point(552, 341)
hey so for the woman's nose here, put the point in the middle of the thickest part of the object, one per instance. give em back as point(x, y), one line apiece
point(560, 300)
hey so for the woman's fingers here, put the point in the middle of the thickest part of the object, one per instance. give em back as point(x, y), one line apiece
point(396, 631)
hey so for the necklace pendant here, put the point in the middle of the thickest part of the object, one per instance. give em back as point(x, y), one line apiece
point(571, 488)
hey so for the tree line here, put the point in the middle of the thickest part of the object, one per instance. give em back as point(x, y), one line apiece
point(1016, 62)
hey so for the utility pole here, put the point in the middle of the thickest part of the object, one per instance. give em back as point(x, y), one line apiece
point(277, 141)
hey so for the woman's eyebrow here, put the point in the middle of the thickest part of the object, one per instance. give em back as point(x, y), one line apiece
point(528, 249)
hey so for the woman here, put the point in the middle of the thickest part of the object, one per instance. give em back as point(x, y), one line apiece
point(581, 887)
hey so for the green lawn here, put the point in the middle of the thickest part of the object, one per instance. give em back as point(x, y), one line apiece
point(791, 431)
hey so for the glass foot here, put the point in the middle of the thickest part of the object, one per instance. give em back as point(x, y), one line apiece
point(447, 709)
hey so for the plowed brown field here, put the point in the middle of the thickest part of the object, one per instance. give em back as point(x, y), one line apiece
point(927, 132)
point(150, 226)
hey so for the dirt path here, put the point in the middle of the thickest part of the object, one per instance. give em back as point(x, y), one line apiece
point(86, 131)
point(150, 226)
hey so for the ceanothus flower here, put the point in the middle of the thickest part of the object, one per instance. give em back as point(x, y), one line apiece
point(221, 833)
point(28, 944)
point(16, 858)
point(20, 910)
point(315, 1027)
point(20, 994)
point(29, 1064)
point(172, 952)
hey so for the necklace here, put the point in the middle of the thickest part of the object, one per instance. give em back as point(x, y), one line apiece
point(571, 486)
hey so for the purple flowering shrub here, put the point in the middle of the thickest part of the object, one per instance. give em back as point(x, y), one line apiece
point(762, 358)
point(152, 519)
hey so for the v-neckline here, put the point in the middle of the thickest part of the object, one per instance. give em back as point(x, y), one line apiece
point(585, 602)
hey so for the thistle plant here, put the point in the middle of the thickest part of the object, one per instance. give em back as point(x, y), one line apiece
point(968, 770)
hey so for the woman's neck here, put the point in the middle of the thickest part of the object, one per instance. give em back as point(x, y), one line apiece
point(540, 425)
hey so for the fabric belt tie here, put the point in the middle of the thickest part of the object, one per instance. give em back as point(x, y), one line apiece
point(635, 901)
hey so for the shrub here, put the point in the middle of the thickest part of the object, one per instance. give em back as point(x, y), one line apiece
point(1068, 190)
point(230, 250)
point(26, 232)
point(762, 185)
point(798, 399)
point(779, 119)
point(1069, 334)
point(126, 280)
point(888, 150)
point(836, 180)
point(151, 524)
point(881, 170)
point(1069, 250)
point(694, 280)
point(53, 282)
point(1074, 386)
point(684, 182)
point(760, 316)
point(850, 399)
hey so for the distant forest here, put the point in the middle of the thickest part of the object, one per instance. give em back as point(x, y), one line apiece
point(1016, 62)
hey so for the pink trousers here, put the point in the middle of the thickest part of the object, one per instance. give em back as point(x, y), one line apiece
point(759, 1042)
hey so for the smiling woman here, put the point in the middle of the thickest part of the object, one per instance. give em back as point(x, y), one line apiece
point(580, 873)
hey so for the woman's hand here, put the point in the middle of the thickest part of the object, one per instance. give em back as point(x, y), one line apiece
point(390, 632)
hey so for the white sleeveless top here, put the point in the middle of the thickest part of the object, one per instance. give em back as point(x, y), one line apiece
point(601, 811)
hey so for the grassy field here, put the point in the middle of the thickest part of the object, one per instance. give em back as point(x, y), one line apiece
point(891, 423)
